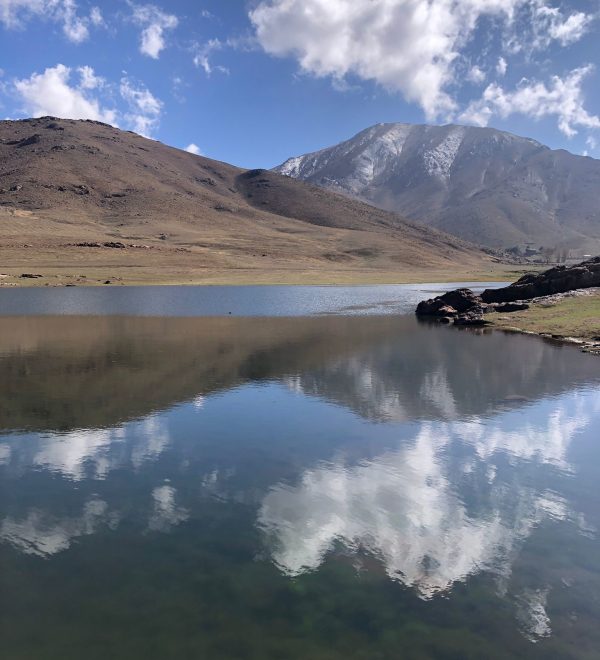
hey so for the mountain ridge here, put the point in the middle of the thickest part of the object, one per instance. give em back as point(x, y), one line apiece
point(487, 186)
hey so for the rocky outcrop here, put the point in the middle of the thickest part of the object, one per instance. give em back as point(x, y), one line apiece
point(462, 307)
point(556, 280)
point(449, 304)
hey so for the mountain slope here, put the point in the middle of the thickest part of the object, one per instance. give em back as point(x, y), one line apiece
point(68, 187)
point(484, 185)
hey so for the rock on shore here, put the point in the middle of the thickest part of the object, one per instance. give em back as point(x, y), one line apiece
point(463, 307)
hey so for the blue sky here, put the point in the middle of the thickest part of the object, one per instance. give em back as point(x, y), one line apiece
point(254, 82)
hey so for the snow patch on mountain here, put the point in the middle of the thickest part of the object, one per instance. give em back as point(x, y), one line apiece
point(377, 156)
point(439, 160)
point(292, 166)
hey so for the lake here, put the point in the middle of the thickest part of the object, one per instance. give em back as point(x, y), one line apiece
point(291, 472)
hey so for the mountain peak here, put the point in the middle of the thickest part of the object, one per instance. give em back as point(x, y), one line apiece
point(482, 184)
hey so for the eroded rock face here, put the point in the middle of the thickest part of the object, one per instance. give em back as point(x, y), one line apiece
point(556, 280)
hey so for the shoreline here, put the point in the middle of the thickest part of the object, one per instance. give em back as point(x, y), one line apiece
point(571, 318)
point(561, 304)
point(593, 348)
point(40, 276)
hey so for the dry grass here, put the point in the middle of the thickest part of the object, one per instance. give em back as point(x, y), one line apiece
point(92, 267)
point(571, 317)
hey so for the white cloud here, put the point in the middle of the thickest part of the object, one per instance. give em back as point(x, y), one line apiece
point(15, 13)
point(57, 92)
point(193, 149)
point(96, 17)
point(74, 27)
point(51, 93)
point(144, 108)
point(154, 22)
point(552, 24)
point(406, 46)
point(202, 57)
point(476, 75)
point(563, 99)
point(501, 67)
point(89, 79)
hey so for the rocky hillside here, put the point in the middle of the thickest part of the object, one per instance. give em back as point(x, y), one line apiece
point(484, 185)
point(79, 189)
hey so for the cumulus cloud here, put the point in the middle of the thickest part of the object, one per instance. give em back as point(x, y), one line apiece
point(15, 13)
point(563, 98)
point(154, 22)
point(54, 93)
point(476, 75)
point(406, 46)
point(81, 94)
point(144, 108)
point(501, 67)
point(193, 149)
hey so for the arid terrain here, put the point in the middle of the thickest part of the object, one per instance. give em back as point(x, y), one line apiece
point(85, 203)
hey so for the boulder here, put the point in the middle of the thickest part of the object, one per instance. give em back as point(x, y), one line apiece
point(461, 299)
point(559, 279)
point(450, 304)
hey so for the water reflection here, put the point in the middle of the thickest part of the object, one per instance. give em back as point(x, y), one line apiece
point(432, 510)
point(40, 533)
point(267, 451)
point(166, 512)
point(92, 453)
point(63, 373)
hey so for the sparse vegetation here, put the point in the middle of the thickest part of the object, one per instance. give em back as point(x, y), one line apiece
point(571, 317)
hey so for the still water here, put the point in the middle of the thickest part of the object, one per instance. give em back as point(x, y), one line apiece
point(324, 487)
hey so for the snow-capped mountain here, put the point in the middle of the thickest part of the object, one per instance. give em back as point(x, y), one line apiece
point(485, 185)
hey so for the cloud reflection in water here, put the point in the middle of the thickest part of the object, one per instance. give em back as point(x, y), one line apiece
point(408, 507)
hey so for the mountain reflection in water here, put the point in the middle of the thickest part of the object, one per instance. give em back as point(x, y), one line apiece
point(271, 451)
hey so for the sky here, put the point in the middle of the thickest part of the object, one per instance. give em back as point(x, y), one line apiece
point(253, 82)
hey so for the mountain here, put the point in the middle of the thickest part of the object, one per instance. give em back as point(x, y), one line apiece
point(80, 195)
point(484, 185)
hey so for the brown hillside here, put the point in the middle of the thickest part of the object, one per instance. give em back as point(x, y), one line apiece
point(68, 187)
